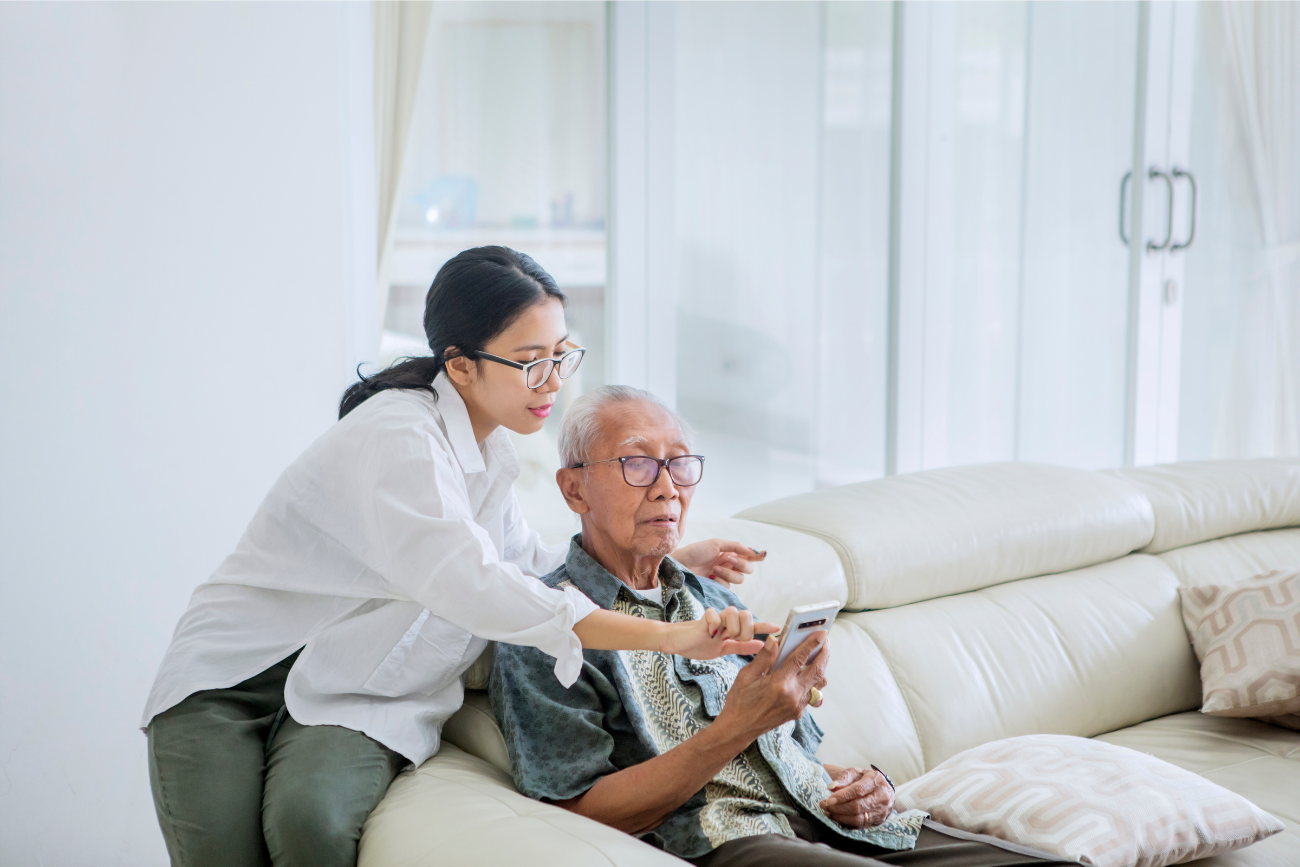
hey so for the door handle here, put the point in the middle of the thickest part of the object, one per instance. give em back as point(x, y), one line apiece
point(1123, 202)
point(1191, 232)
point(1152, 174)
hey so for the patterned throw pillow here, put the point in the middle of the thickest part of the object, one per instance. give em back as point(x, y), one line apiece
point(1086, 801)
point(1247, 637)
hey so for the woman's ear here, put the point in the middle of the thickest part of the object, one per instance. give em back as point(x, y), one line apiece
point(570, 482)
point(460, 370)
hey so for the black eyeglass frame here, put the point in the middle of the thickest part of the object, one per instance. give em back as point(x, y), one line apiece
point(526, 367)
point(661, 463)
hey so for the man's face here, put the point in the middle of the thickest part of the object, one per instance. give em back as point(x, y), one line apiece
point(644, 522)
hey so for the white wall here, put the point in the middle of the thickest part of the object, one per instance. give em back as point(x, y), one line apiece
point(183, 191)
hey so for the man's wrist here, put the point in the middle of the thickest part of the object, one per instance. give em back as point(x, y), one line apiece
point(724, 737)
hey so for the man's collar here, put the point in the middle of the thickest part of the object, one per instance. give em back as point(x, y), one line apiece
point(600, 585)
point(460, 433)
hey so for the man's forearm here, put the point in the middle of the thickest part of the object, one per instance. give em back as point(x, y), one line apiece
point(640, 797)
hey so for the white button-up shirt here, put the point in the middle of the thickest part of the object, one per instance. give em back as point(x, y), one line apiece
point(391, 551)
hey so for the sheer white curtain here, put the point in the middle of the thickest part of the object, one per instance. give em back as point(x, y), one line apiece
point(401, 30)
point(1253, 45)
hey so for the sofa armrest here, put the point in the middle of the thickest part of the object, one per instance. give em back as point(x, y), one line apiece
point(456, 809)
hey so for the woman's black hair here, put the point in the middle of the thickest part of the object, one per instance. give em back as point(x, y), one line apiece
point(474, 297)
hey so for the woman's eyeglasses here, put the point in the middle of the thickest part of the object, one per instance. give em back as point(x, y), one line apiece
point(642, 471)
point(537, 372)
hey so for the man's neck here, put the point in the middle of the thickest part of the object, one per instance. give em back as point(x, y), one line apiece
point(637, 572)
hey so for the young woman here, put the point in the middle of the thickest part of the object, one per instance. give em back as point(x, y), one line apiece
point(325, 653)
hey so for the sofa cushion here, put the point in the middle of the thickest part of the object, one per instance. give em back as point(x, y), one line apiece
point(1247, 636)
point(864, 717)
point(1257, 761)
point(1080, 653)
point(1235, 558)
point(474, 729)
point(1088, 801)
point(1200, 500)
point(456, 809)
point(922, 535)
point(799, 569)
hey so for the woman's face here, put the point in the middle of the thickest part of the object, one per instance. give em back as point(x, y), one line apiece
point(496, 394)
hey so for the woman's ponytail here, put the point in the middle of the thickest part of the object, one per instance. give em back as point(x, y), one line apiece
point(475, 296)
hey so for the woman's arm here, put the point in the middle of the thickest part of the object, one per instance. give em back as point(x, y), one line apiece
point(716, 634)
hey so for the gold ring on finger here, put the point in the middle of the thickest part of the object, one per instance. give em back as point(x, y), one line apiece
point(814, 696)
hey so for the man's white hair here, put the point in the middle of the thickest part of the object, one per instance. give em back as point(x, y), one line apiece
point(581, 427)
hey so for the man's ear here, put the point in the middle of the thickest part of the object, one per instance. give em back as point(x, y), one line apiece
point(460, 370)
point(570, 482)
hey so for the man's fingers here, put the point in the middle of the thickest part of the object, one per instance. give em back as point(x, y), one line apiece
point(799, 658)
point(848, 777)
point(860, 789)
point(764, 656)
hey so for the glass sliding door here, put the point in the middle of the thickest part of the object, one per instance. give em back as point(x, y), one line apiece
point(780, 184)
point(508, 145)
point(1080, 103)
point(1013, 288)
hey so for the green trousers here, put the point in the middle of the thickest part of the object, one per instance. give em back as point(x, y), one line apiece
point(237, 782)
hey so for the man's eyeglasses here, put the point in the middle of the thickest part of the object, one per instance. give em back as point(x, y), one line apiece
point(642, 471)
point(537, 372)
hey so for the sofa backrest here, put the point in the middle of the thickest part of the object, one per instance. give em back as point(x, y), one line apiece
point(923, 535)
point(1201, 500)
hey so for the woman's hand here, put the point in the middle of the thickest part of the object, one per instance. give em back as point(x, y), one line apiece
point(717, 633)
point(723, 561)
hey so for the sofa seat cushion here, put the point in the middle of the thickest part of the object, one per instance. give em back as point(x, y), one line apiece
point(907, 538)
point(1257, 761)
point(456, 810)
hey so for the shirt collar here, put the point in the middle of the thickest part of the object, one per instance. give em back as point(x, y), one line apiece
point(599, 584)
point(460, 433)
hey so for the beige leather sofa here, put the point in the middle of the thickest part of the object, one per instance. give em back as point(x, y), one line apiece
point(983, 602)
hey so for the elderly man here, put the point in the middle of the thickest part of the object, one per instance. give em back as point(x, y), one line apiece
point(715, 762)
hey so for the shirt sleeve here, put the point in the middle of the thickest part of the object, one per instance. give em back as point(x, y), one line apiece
point(418, 532)
point(558, 746)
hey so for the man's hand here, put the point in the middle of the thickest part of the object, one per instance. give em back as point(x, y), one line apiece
point(859, 798)
point(723, 561)
point(762, 698)
point(717, 633)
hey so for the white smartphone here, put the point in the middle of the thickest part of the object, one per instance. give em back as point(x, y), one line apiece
point(803, 622)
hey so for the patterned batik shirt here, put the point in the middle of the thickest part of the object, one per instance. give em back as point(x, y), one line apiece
point(630, 706)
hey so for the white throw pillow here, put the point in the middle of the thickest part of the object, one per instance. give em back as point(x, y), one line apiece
point(1087, 801)
point(1247, 638)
